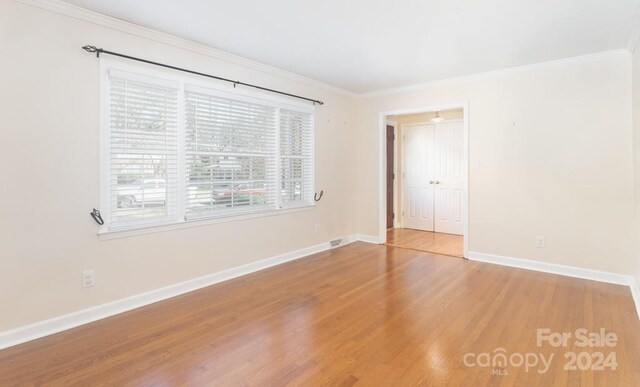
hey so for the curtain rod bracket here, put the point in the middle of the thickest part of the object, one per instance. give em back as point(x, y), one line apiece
point(98, 51)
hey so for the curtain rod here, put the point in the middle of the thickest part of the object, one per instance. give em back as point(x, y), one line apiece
point(99, 51)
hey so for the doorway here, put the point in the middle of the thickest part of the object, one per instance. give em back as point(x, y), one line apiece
point(426, 177)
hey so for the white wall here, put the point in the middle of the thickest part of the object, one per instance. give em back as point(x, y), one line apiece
point(635, 110)
point(554, 146)
point(49, 163)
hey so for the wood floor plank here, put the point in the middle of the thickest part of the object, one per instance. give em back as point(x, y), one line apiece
point(358, 315)
point(431, 242)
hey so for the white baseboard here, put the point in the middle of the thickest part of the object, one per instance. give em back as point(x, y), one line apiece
point(569, 271)
point(74, 319)
point(635, 293)
point(367, 238)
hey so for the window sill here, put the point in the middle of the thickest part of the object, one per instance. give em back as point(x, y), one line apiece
point(115, 234)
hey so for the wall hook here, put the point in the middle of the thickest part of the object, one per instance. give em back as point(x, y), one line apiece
point(317, 197)
point(95, 214)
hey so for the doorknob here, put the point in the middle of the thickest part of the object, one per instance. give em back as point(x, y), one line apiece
point(436, 182)
point(431, 182)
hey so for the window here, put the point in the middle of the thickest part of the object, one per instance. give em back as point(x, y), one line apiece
point(230, 155)
point(177, 149)
point(295, 156)
point(142, 150)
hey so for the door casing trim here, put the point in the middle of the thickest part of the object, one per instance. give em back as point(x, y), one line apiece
point(382, 166)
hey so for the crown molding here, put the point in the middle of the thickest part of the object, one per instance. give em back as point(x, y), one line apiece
point(86, 15)
point(496, 73)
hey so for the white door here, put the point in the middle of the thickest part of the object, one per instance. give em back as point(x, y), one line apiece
point(417, 190)
point(448, 181)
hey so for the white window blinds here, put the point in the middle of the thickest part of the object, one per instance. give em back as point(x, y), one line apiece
point(295, 157)
point(230, 156)
point(175, 151)
point(142, 151)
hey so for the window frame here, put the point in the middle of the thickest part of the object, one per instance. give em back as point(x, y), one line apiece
point(215, 88)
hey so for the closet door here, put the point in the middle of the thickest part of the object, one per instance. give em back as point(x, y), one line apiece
point(417, 190)
point(448, 181)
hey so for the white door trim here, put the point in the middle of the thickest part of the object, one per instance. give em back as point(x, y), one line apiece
point(382, 165)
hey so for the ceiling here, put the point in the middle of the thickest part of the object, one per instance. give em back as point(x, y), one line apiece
point(367, 45)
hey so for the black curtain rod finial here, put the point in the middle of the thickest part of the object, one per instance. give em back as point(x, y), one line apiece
point(88, 48)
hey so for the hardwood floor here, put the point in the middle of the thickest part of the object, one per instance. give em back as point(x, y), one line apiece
point(431, 242)
point(361, 314)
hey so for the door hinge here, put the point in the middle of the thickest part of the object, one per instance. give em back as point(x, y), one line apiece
point(393, 216)
point(402, 213)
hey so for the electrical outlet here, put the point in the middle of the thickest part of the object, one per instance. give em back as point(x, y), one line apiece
point(88, 278)
point(317, 227)
point(540, 241)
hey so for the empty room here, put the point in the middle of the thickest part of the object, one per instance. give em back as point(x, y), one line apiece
point(271, 193)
